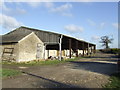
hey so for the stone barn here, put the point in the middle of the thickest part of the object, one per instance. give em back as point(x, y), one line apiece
point(26, 44)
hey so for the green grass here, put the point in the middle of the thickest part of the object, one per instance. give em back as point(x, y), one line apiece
point(48, 62)
point(8, 73)
point(114, 81)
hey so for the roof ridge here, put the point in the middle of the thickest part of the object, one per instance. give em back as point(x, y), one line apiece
point(12, 31)
point(39, 30)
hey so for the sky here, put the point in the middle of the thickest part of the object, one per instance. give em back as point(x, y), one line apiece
point(86, 21)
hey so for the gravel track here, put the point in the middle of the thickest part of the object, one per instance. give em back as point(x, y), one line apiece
point(91, 72)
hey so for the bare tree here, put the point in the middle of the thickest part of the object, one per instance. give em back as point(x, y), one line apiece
point(106, 41)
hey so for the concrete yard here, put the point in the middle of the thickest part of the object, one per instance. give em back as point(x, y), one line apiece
point(91, 72)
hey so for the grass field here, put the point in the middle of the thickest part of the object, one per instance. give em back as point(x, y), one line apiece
point(8, 73)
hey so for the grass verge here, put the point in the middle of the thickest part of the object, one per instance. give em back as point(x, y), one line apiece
point(48, 62)
point(114, 81)
point(8, 73)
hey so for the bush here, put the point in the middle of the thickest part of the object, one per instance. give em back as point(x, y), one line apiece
point(115, 51)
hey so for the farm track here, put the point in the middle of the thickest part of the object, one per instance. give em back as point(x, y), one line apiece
point(93, 72)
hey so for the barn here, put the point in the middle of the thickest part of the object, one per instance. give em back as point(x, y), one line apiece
point(26, 44)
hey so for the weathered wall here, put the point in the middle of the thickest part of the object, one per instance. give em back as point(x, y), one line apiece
point(7, 56)
point(28, 48)
point(1, 51)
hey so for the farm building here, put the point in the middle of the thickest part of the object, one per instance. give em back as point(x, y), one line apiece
point(26, 44)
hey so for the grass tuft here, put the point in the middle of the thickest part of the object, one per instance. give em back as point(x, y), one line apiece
point(8, 73)
point(114, 81)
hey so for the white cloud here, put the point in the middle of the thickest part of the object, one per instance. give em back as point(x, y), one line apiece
point(1, 4)
point(12, 11)
point(49, 5)
point(116, 25)
point(73, 28)
point(95, 38)
point(9, 22)
point(62, 0)
point(98, 25)
point(62, 8)
point(4, 7)
point(97, 0)
point(91, 22)
point(20, 11)
point(102, 25)
point(34, 4)
point(67, 14)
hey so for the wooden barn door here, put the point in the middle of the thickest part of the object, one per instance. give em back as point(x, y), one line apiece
point(39, 50)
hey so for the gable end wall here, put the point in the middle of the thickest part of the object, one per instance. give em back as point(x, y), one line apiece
point(28, 48)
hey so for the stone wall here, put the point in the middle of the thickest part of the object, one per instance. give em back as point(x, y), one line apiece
point(28, 48)
point(6, 56)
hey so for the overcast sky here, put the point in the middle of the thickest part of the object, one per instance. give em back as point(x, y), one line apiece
point(84, 20)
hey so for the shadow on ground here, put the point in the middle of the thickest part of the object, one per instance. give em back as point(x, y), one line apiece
point(48, 83)
point(98, 67)
point(114, 56)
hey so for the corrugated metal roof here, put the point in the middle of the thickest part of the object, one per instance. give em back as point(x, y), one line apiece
point(21, 32)
point(45, 36)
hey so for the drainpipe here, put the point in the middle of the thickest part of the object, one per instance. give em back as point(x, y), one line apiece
point(60, 48)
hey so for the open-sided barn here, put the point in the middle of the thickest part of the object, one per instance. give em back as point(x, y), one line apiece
point(26, 44)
